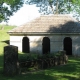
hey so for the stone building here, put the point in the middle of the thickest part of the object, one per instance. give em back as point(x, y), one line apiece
point(48, 34)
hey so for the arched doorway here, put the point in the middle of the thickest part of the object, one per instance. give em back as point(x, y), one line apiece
point(46, 45)
point(25, 45)
point(68, 45)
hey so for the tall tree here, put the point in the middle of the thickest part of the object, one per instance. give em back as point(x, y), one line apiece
point(8, 7)
point(56, 6)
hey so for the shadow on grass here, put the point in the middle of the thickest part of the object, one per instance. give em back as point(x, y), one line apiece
point(1, 64)
point(71, 78)
point(6, 41)
point(70, 71)
point(32, 76)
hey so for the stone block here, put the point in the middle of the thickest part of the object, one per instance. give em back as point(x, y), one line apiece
point(10, 60)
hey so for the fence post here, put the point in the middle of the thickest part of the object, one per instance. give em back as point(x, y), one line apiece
point(10, 60)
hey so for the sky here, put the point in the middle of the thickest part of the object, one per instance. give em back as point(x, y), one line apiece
point(25, 14)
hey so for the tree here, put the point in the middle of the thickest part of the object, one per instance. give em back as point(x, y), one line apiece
point(8, 7)
point(56, 6)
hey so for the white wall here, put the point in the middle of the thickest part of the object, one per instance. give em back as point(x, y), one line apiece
point(56, 43)
point(17, 41)
point(76, 45)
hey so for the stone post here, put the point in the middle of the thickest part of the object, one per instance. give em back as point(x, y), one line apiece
point(10, 60)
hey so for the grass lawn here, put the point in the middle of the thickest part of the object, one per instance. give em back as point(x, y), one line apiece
point(70, 71)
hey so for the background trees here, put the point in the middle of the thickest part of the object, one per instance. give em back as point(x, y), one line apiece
point(57, 6)
point(8, 7)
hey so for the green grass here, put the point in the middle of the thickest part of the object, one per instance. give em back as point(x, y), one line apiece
point(70, 71)
point(3, 38)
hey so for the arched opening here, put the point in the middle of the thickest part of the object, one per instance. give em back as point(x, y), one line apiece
point(46, 45)
point(25, 45)
point(68, 45)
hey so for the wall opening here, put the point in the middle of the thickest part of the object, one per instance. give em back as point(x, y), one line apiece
point(46, 45)
point(25, 45)
point(68, 45)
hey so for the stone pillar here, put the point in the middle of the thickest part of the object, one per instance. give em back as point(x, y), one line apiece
point(10, 60)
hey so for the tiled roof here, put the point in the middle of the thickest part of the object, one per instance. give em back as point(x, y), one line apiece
point(50, 24)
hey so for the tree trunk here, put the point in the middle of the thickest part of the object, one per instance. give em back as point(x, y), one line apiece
point(50, 3)
point(57, 7)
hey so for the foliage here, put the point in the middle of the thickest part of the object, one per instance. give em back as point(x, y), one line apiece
point(8, 7)
point(34, 56)
point(27, 56)
point(57, 6)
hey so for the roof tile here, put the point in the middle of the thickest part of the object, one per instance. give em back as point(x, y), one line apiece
point(50, 23)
